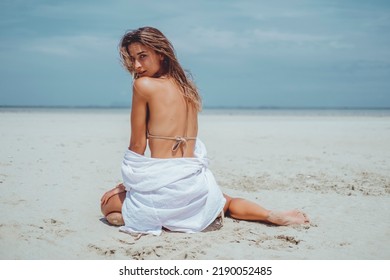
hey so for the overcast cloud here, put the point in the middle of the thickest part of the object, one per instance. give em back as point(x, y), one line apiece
point(241, 53)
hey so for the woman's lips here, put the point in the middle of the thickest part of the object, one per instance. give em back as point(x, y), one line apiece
point(140, 74)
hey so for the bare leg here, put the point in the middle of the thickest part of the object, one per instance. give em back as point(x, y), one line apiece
point(243, 209)
point(112, 209)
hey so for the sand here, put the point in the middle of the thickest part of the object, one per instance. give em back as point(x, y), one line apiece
point(56, 163)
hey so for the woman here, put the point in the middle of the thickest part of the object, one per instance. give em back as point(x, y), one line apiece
point(173, 188)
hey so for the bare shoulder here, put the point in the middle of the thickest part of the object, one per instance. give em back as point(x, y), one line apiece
point(145, 86)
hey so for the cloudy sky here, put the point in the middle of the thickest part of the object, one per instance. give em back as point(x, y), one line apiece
point(323, 53)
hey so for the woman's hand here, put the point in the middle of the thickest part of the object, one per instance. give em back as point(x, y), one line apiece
point(118, 189)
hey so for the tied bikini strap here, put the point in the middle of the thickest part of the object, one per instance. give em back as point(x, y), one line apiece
point(180, 141)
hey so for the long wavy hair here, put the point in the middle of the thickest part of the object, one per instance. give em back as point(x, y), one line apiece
point(156, 40)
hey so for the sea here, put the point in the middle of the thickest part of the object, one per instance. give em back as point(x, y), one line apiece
point(258, 111)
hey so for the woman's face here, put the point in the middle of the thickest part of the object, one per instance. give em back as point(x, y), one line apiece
point(146, 61)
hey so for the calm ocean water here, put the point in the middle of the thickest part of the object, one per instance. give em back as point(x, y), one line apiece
point(300, 112)
point(382, 112)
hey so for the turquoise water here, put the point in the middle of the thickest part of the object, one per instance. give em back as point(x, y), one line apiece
point(218, 111)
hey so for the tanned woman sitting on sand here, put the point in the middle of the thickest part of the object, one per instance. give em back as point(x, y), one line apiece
point(173, 188)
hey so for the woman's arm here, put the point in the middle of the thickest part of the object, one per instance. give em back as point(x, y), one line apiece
point(139, 112)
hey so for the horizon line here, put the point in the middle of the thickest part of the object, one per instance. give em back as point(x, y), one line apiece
point(205, 107)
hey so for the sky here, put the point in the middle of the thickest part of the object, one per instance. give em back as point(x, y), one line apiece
point(293, 53)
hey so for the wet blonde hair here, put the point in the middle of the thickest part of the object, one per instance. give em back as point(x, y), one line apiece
point(156, 40)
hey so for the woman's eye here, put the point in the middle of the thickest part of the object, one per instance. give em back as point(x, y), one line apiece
point(142, 56)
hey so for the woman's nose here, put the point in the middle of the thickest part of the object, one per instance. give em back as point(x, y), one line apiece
point(137, 64)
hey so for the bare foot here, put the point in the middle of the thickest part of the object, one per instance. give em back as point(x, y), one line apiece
point(293, 217)
point(115, 218)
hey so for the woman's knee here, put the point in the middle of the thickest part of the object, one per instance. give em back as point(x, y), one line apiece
point(114, 204)
point(227, 203)
point(236, 208)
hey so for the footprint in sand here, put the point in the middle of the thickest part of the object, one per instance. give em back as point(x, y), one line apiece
point(101, 251)
point(290, 239)
point(52, 227)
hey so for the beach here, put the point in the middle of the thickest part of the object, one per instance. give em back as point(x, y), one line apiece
point(55, 164)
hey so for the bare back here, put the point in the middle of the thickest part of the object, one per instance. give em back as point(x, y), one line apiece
point(170, 116)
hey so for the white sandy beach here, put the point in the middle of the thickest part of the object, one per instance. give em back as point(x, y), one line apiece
point(55, 164)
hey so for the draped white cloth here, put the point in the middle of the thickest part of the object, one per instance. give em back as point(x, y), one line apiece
point(179, 194)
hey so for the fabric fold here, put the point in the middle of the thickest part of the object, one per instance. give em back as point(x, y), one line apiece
point(179, 194)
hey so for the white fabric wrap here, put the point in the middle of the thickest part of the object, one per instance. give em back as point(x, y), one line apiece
point(179, 194)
